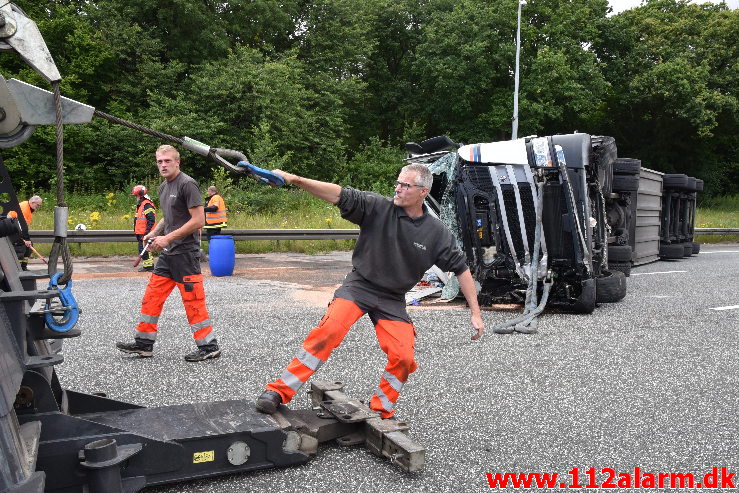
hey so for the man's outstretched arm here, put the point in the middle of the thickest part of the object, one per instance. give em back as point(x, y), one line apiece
point(330, 192)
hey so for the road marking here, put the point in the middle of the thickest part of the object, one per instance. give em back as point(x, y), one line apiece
point(659, 296)
point(719, 251)
point(733, 307)
point(662, 272)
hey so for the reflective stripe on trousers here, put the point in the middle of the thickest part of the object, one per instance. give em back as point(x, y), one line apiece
point(396, 339)
point(317, 347)
point(193, 297)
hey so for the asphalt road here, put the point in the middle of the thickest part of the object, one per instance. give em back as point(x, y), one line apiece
point(652, 381)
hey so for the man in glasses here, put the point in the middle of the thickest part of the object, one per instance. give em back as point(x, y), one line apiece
point(398, 242)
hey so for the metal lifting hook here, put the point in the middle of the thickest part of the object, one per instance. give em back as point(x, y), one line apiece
point(69, 306)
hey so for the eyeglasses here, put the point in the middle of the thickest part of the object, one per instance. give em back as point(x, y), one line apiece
point(406, 186)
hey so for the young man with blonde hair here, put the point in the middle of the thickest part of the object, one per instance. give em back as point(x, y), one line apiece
point(175, 236)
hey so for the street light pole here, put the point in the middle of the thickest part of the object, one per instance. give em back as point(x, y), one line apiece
point(514, 130)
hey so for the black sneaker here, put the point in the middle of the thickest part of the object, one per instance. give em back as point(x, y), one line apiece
point(143, 350)
point(146, 269)
point(203, 353)
point(267, 402)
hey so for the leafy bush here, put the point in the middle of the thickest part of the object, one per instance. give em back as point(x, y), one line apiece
point(373, 167)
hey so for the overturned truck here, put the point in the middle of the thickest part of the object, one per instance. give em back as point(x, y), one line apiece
point(560, 217)
point(530, 215)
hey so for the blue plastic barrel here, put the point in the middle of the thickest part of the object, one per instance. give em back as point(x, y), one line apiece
point(221, 255)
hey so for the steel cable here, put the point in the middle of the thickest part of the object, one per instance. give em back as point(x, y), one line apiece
point(60, 243)
point(140, 128)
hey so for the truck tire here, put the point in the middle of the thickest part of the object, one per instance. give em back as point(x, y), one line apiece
point(625, 183)
point(619, 253)
point(698, 185)
point(677, 181)
point(627, 166)
point(671, 251)
point(610, 287)
point(696, 247)
point(691, 186)
point(624, 267)
point(586, 302)
point(688, 249)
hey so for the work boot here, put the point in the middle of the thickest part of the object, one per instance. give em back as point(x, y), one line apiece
point(267, 402)
point(146, 269)
point(202, 353)
point(143, 350)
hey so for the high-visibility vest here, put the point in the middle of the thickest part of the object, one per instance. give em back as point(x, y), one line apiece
point(26, 210)
point(219, 216)
point(145, 207)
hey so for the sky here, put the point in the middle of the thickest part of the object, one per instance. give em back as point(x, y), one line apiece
point(621, 5)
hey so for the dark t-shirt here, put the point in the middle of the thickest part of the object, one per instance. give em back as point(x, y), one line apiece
point(176, 198)
point(393, 250)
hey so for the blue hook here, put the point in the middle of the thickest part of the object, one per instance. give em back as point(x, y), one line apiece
point(262, 175)
point(69, 305)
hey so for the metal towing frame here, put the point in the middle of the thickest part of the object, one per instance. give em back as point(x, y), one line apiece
point(58, 440)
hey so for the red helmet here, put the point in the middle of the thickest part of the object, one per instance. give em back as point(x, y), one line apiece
point(139, 190)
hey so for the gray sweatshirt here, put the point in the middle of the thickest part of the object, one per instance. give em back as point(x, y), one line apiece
point(393, 250)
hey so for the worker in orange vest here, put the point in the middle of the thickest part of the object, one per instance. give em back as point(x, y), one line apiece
point(215, 213)
point(142, 224)
point(23, 244)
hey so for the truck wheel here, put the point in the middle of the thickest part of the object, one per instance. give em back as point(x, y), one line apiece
point(611, 287)
point(688, 249)
point(696, 247)
point(675, 181)
point(586, 302)
point(698, 185)
point(627, 166)
point(619, 253)
point(624, 267)
point(672, 251)
point(625, 183)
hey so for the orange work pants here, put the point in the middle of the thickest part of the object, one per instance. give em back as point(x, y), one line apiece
point(193, 297)
point(396, 338)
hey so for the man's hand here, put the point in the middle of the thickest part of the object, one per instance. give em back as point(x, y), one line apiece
point(288, 177)
point(28, 243)
point(477, 325)
point(159, 243)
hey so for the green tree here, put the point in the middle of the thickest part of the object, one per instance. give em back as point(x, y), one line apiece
point(673, 70)
point(466, 62)
point(246, 96)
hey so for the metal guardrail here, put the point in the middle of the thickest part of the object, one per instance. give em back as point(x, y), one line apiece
point(716, 231)
point(122, 235)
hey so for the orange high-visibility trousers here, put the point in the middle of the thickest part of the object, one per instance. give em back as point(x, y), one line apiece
point(396, 339)
point(193, 297)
